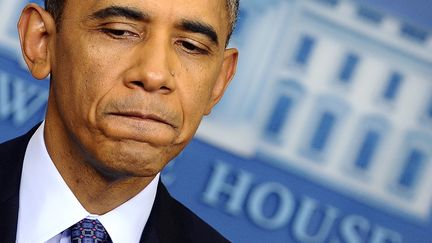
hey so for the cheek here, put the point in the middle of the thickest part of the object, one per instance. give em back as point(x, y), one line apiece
point(83, 80)
point(195, 98)
point(196, 85)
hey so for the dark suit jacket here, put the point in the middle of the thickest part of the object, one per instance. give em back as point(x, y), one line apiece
point(169, 220)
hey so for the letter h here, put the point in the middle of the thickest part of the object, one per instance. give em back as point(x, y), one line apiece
point(224, 182)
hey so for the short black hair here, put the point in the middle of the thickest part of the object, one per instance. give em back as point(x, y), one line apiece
point(55, 8)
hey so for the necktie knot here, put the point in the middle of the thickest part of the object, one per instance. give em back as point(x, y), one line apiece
point(89, 231)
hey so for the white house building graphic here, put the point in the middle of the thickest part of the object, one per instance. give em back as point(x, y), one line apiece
point(337, 92)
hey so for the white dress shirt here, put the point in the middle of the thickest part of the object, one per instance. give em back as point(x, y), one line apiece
point(47, 207)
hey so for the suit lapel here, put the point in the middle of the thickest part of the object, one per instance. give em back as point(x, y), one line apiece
point(163, 225)
point(11, 161)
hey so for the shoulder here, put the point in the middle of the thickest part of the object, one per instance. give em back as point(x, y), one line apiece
point(194, 224)
point(177, 223)
point(13, 150)
point(11, 161)
point(11, 147)
point(11, 158)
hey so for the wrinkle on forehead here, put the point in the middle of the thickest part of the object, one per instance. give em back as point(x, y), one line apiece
point(205, 11)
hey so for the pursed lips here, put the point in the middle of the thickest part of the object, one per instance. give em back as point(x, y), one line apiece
point(141, 116)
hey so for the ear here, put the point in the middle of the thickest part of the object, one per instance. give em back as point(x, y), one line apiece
point(229, 67)
point(36, 27)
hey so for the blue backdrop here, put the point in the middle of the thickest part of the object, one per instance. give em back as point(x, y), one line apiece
point(324, 136)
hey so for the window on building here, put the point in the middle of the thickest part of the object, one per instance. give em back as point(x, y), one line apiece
point(329, 2)
point(323, 127)
point(323, 131)
point(348, 67)
point(369, 15)
point(279, 116)
point(393, 86)
point(304, 50)
point(365, 144)
point(429, 109)
point(414, 33)
point(414, 163)
point(290, 92)
point(367, 150)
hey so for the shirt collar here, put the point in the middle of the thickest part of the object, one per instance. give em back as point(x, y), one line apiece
point(47, 206)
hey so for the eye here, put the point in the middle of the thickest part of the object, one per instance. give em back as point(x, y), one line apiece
point(118, 33)
point(192, 48)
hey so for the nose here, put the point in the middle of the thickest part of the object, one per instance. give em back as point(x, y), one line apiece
point(152, 68)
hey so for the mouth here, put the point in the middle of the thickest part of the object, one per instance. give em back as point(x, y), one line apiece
point(142, 117)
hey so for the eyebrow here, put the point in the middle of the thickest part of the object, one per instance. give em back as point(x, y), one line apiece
point(134, 14)
point(200, 28)
point(120, 11)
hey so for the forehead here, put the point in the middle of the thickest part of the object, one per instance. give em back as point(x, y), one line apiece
point(212, 12)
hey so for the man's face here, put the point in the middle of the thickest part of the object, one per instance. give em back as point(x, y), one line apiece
point(132, 78)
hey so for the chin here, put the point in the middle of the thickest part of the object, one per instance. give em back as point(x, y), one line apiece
point(119, 170)
point(126, 158)
point(132, 162)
